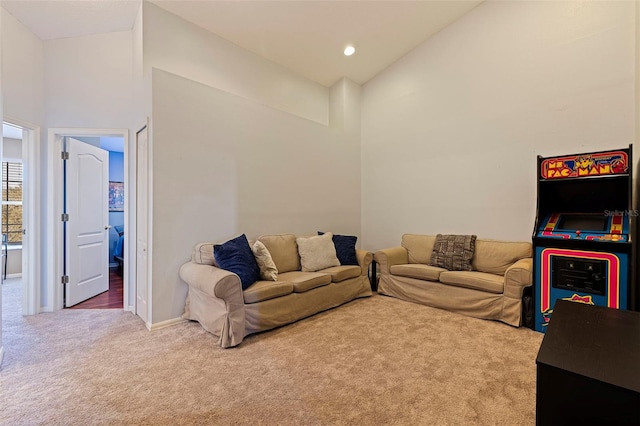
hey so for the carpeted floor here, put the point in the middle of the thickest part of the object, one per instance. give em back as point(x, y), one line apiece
point(374, 361)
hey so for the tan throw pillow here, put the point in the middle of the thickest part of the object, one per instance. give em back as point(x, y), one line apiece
point(453, 252)
point(317, 252)
point(268, 270)
point(283, 250)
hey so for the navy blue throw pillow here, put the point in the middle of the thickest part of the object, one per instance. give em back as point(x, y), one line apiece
point(345, 248)
point(236, 256)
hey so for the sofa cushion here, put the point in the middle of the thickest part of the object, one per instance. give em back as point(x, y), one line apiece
point(421, 272)
point(419, 247)
point(476, 280)
point(265, 290)
point(304, 281)
point(453, 252)
point(317, 252)
point(236, 256)
point(268, 270)
point(343, 272)
point(284, 251)
point(494, 257)
point(345, 248)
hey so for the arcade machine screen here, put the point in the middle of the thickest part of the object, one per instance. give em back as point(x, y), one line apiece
point(588, 223)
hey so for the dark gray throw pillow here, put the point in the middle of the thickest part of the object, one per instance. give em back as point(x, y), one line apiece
point(453, 252)
point(236, 256)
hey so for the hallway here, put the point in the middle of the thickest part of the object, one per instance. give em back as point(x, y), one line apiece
point(111, 299)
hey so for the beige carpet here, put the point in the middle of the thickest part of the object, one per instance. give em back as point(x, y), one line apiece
point(374, 361)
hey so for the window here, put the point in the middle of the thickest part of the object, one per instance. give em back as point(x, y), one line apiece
point(12, 201)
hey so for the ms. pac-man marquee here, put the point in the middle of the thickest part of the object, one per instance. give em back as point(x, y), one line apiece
point(582, 239)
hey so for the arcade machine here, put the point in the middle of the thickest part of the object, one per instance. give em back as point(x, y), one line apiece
point(582, 239)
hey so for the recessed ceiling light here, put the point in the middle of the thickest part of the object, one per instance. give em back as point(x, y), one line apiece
point(349, 50)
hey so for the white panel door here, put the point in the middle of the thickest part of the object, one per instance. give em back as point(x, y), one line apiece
point(142, 223)
point(87, 230)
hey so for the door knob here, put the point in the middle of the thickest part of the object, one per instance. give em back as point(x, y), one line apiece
point(107, 227)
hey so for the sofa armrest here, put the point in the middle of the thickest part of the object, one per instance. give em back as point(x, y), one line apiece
point(517, 277)
point(392, 256)
point(364, 261)
point(211, 280)
point(216, 301)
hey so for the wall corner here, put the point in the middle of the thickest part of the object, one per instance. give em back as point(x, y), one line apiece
point(345, 98)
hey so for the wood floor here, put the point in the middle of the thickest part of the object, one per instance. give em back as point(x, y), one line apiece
point(111, 299)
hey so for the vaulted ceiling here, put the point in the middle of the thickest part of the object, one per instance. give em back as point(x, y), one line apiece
point(307, 37)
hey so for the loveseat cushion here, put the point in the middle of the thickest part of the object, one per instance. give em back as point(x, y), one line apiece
point(304, 281)
point(421, 272)
point(494, 257)
point(284, 251)
point(265, 290)
point(419, 247)
point(341, 273)
point(476, 280)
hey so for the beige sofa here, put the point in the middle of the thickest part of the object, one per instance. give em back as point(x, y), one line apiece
point(492, 290)
point(216, 300)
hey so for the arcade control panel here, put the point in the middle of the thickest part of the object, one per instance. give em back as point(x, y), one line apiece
point(588, 227)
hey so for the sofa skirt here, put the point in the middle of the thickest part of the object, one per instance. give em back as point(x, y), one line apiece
point(470, 302)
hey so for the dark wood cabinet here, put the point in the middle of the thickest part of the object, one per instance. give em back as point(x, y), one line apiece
point(588, 367)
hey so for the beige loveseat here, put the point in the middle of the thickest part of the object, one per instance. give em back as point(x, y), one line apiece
point(492, 290)
point(216, 300)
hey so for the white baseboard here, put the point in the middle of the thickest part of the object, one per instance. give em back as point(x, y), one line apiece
point(1, 355)
point(18, 275)
point(164, 324)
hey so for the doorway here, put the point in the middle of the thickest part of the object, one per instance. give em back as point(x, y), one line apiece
point(21, 223)
point(104, 282)
point(55, 270)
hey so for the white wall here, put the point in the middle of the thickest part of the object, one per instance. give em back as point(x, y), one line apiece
point(141, 87)
point(14, 262)
point(224, 165)
point(451, 131)
point(182, 48)
point(23, 71)
point(88, 81)
point(23, 86)
point(345, 99)
point(11, 149)
point(239, 145)
point(88, 84)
